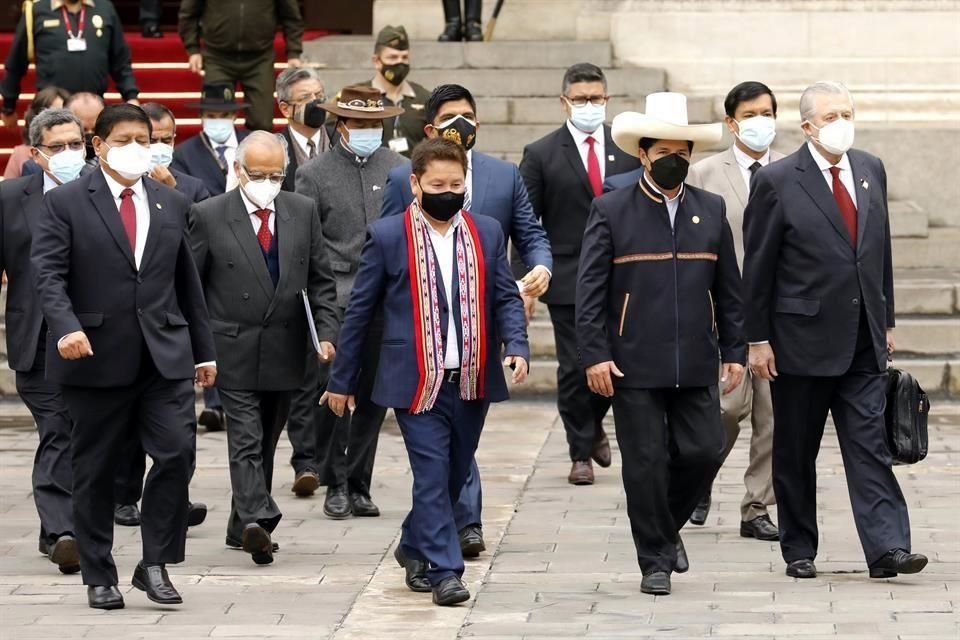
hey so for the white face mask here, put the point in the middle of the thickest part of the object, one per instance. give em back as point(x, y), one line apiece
point(589, 117)
point(836, 137)
point(161, 154)
point(131, 161)
point(757, 133)
point(261, 193)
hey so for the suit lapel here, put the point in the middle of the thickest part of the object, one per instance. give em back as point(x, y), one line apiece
point(731, 169)
point(32, 198)
point(479, 180)
point(106, 206)
point(286, 234)
point(572, 154)
point(243, 231)
point(812, 181)
point(155, 209)
point(612, 155)
point(861, 177)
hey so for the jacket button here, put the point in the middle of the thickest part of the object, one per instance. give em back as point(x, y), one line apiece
point(139, 280)
point(246, 296)
point(855, 301)
point(139, 311)
point(230, 264)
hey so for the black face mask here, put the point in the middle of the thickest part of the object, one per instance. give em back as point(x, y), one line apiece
point(669, 171)
point(461, 131)
point(88, 143)
point(395, 74)
point(310, 114)
point(442, 206)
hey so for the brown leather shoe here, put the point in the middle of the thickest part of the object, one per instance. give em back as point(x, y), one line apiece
point(581, 473)
point(601, 449)
point(305, 484)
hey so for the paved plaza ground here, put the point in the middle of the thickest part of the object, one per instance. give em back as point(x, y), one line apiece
point(560, 561)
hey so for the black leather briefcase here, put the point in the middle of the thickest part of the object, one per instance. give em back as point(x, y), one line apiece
point(907, 410)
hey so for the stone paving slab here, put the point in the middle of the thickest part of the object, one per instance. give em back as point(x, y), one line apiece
point(560, 560)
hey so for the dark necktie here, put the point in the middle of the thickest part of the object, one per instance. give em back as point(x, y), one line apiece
point(755, 167)
point(264, 237)
point(311, 149)
point(593, 168)
point(847, 209)
point(222, 154)
point(128, 216)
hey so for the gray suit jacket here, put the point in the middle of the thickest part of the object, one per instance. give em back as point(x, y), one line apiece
point(720, 174)
point(349, 196)
point(261, 332)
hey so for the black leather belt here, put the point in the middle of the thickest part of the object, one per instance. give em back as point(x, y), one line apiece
point(451, 375)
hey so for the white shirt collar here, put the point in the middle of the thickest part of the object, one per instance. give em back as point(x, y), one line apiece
point(649, 182)
point(116, 188)
point(251, 207)
point(746, 161)
point(49, 183)
point(824, 164)
point(580, 137)
point(302, 140)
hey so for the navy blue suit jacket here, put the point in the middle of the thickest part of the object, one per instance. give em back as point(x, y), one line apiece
point(622, 180)
point(498, 192)
point(383, 284)
point(196, 158)
point(191, 187)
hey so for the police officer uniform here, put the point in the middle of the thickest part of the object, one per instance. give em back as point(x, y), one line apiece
point(77, 51)
point(658, 293)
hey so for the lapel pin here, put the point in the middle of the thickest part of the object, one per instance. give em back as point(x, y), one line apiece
point(376, 187)
point(696, 219)
point(612, 158)
point(159, 206)
point(864, 183)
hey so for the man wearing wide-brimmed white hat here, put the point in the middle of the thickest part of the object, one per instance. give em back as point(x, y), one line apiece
point(658, 303)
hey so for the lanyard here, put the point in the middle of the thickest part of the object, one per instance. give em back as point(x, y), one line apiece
point(80, 23)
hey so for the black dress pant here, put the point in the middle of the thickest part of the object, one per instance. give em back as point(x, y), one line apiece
point(302, 425)
point(52, 470)
point(255, 421)
point(349, 444)
point(581, 410)
point(671, 442)
point(150, 11)
point(131, 467)
point(162, 412)
point(857, 401)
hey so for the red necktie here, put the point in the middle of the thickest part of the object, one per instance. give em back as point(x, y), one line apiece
point(593, 168)
point(128, 216)
point(847, 209)
point(263, 235)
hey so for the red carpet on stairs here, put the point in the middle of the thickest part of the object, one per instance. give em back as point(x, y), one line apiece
point(160, 66)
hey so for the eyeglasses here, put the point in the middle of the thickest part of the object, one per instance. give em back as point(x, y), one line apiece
point(597, 101)
point(319, 96)
point(77, 145)
point(275, 178)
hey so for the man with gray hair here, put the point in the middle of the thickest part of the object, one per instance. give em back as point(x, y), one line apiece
point(300, 95)
point(56, 136)
point(269, 288)
point(818, 280)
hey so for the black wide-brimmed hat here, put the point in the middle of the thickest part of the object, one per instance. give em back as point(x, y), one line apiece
point(218, 97)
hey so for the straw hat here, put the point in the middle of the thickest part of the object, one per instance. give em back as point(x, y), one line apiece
point(665, 119)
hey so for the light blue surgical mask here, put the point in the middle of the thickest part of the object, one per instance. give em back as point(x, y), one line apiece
point(364, 142)
point(66, 165)
point(589, 117)
point(161, 154)
point(757, 133)
point(218, 129)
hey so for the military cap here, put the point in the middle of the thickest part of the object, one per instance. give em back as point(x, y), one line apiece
point(393, 37)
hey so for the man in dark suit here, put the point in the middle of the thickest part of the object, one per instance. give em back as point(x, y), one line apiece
point(53, 133)
point(132, 465)
point(564, 172)
point(818, 276)
point(128, 335)
point(209, 155)
point(440, 365)
point(263, 265)
point(628, 179)
point(493, 188)
point(658, 310)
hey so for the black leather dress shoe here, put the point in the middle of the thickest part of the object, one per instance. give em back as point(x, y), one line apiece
point(104, 598)
point(256, 541)
point(656, 584)
point(212, 420)
point(683, 563)
point(415, 572)
point(452, 32)
point(802, 569)
point(473, 32)
point(126, 515)
point(896, 562)
point(699, 515)
point(337, 503)
point(761, 528)
point(449, 592)
point(471, 541)
point(362, 506)
point(152, 31)
point(236, 545)
point(196, 514)
point(64, 554)
point(153, 579)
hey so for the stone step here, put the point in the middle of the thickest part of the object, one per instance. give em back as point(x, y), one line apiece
point(908, 220)
point(940, 250)
point(352, 52)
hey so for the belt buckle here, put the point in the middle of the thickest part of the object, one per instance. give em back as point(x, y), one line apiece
point(452, 376)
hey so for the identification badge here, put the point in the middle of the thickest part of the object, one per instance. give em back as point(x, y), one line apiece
point(51, 24)
point(399, 145)
point(76, 44)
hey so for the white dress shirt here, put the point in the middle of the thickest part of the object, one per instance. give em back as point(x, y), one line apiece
point(580, 138)
point(846, 172)
point(468, 183)
point(444, 249)
point(230, 153)
point(48, 183)
point(745, 162)
point(672, 203)
point(302, 141)
point(143, 212)
point(255, 219)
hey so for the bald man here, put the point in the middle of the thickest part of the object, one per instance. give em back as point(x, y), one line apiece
point(87, 107)
point(242, 241)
